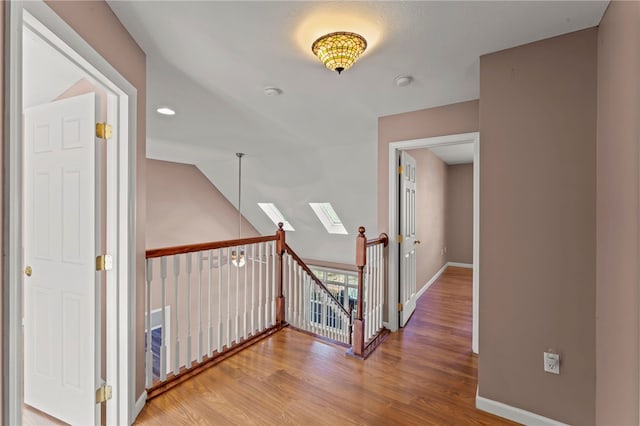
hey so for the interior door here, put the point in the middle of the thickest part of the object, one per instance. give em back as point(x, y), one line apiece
point(61, 287)
point(407, 250)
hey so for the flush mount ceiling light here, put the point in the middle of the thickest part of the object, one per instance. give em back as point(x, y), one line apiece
point(166, 111)
point(340, 50)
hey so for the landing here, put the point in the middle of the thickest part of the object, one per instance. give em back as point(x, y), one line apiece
point(424, 374)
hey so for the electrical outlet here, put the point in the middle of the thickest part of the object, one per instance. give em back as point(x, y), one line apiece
point(552, 362)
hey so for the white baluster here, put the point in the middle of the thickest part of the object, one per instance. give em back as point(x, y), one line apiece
point(149, 354)
point(210, 304)
point(374, 289)
point(296, 296)
point(371, 303)
point(253, 288)
point(260, 247)
point(200, 339)
point(305, 301)
point(188, 268)
point(220, 326)
point(229, 265)
point(237, 289)
point(290, 285)
point(325, 313)
point(379, 259)
point(367, 300)
point(301, 282)
point(270, 272)
point(164, 344)
point(246, 311)
point(273, 283)
point(176, 355)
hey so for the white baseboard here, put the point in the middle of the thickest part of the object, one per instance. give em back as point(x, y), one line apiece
point(139, 406)
point(461, 265)
point(513, 413)
point(431, 281)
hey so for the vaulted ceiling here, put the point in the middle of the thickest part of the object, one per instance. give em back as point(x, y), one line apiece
point(317, 141)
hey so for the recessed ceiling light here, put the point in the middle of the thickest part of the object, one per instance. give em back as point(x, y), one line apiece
point(272, 91)
point(403, 80)
point(166, 111)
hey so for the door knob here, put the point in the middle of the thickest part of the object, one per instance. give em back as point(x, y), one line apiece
point(28, 271)
point(416, 242)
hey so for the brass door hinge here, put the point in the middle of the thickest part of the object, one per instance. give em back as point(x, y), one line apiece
point(399, 238)
point(104, 262)
point(399, 307)
point(103, 131)
point(399, 170)
point(103, 394)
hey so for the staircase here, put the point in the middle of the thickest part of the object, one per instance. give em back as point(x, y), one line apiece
point(205, 302)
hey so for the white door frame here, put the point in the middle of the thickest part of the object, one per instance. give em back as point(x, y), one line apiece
point(120, 214)
point(394, 149)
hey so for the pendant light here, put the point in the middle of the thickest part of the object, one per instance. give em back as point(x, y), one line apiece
point(237, 256)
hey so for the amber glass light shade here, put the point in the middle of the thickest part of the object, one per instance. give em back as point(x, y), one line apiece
point(339, 51)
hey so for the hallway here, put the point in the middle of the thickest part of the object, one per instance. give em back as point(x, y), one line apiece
point(424, 374)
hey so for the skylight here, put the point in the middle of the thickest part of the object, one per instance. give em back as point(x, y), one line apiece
point(274, 214)
point(329, 218)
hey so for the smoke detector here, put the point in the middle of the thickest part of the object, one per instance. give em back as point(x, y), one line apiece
point(403, 80)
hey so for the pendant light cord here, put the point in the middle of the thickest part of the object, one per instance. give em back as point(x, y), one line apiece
point(239, 155)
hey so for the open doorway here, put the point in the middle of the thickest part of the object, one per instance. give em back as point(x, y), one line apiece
point(456, 149)
point(67, 194)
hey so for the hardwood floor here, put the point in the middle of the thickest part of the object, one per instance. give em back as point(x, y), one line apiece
point(33, 417)
point(424, 374)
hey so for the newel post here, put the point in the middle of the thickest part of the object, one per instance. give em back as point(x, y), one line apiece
point(280, 244)
point(358, 323)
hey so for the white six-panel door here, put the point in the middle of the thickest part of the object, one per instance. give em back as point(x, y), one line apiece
point(408, 232)
point(61, 327)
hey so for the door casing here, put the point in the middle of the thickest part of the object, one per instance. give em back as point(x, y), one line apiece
point(120, 212)
point(394, 153)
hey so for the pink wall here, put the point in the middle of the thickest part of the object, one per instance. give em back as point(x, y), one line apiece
point(537, 225)
point(98, 25)
point(438, 121)
point(431, 191)
point(184, 207)
point(617, 212)
point(459, 230)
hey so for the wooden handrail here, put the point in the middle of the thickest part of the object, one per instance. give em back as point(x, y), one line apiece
point(314, 278)
point(190, 248)
point(382, 239)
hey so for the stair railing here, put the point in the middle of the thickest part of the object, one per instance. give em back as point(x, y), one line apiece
point(371, 260)
point(311, 307)
point(207, 301)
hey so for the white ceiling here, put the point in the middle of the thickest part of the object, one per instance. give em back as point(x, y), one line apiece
point(454, 154)
point(318, 140)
